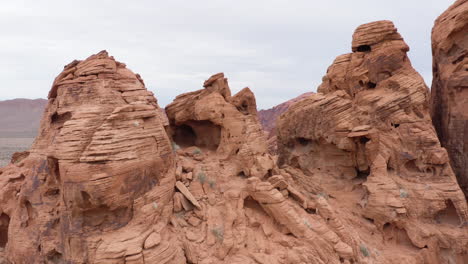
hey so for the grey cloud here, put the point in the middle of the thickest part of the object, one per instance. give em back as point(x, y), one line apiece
point(278, 48)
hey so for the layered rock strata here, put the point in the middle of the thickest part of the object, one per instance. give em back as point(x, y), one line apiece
point(86, 191)
point(366, 141)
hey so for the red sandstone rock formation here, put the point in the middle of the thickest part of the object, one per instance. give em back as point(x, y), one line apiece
point(102, 183)
point(268, 117)
point(366, 141)
point(450, 86)
point(96, 186)
point(246, 211)
point(363, 178)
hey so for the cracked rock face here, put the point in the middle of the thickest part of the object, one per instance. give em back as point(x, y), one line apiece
point(450, 86)
point(366, 139)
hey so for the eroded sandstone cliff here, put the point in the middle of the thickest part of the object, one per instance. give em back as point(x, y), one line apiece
point(362, 177)
point(450, 86)
point(87, 189)
point(367, 142)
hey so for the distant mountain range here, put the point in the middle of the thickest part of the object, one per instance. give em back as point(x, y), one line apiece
point(20, 117)
point(268, 117)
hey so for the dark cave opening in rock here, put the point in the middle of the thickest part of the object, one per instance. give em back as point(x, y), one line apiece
point(364, 48)
point(54, 169)
point(448, 215)
point(371, 85)
point(364, 140)
point(203, 134)
point(398, 236)
point(303, 141)
point(4, 224)
point(60, 118)
point(54, 257)
point(243, 108)
point(184, 136)
point(362, 174)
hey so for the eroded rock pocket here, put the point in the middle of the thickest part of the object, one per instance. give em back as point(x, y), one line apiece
point(202, 134)
point(4, 223)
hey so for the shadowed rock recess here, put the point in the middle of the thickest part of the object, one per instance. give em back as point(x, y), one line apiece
point(362, 176)
point(450, 86)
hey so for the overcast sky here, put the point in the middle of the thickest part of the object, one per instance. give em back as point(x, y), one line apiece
point(278, 48)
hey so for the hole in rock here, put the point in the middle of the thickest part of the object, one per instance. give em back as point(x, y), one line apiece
point(397, 236)
point(255, 207)
point(103, 217)
point(242, 174)
point(459, 59)
point(52, 192)
point(371, 85)
point(311, 211)
point(395, 125)
point(54, 257)
point(60, 118)
point(448, 215)
point(411, 166)
point(19, 179)
point(86, 199)
point(243, 108)
point(30, 211)
point(303, 141)
point(362, 174)
point(364, 48)
point(203, 134)
point(364, 140)
point(386, 226)
point(54, 168)
point(269, 173)
point(4, 223)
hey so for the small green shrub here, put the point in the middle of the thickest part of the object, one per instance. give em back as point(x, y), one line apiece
point(218, 232)
point(403, 193)
point(197, 151)
point(155, 205)
point(322, 194)
point(202, 177)
point(364, 250)
point(175, 147)
point(212, 183)
point(307, 224)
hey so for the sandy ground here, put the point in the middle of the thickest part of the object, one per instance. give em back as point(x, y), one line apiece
point(8, 146)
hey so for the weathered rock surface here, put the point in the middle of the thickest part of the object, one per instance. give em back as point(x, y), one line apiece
point(102, 183)
point(366, 141)
point(450, 86)
point(363, 178)
point(84, 193)
point(268, 118)
point(250, 211)
point(214, 121)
